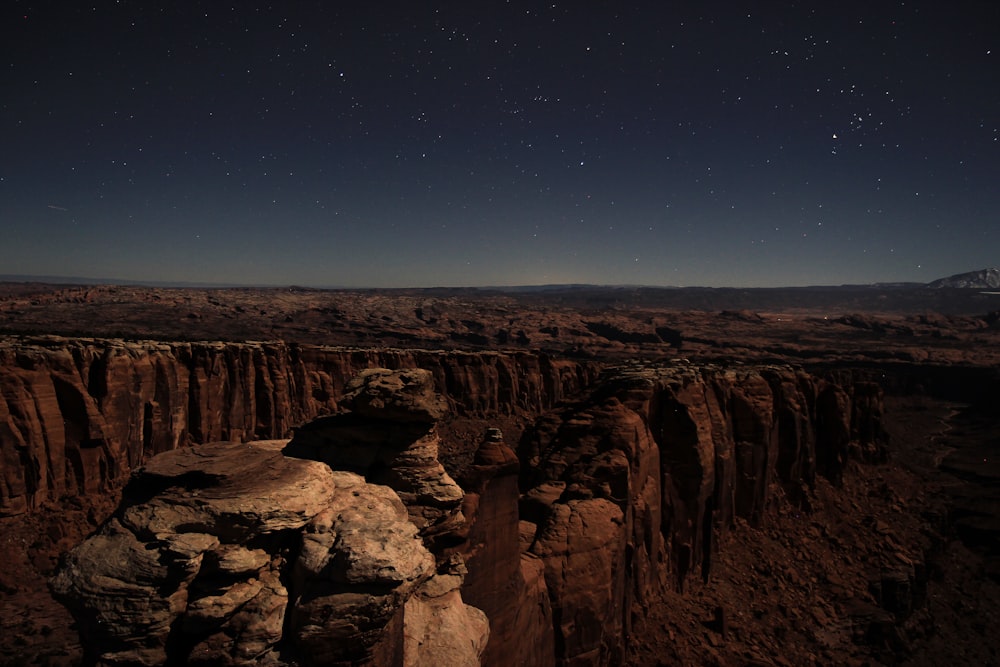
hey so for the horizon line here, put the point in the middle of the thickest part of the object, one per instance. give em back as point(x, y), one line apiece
point(81, 281)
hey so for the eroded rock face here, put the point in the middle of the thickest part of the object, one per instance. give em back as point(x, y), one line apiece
point(582, 546)
point(439, 629)
point(388, 436)
point(339, 548)
point(359, 564)
point(401, 396)
point(628, 491)
point(77, 415)
point(233, 553)
point(503, 579)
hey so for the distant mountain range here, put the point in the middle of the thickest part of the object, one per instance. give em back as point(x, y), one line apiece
point(982, 279)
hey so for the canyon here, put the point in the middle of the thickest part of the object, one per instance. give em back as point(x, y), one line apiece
point(569, 483)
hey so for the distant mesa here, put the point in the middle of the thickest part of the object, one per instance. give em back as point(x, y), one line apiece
point(983, 279)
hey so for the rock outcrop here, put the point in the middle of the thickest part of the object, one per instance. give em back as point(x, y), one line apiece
point(504, 579)
point(388, 437)
point(609, 502)
point(235, 554)
point(606, 502)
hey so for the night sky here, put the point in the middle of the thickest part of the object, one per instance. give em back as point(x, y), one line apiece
point(430, 144)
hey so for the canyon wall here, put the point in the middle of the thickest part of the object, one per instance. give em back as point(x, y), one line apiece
point(77, 415)
point(626, 493)
point(618, 490)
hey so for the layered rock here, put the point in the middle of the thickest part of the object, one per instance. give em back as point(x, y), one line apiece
point(235, 554)
point(625, 493)
point(388, 436)
point(593, 508)
point(609, 502)
point(629, 491)
point(503, 579)
point(641, 479)
point(77, 415)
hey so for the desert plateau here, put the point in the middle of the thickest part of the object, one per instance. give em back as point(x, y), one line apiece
point(562, 475)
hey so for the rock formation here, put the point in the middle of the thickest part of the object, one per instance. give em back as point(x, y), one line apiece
point(354, 542)
point(320, 551)
point(233, 553)
point(628, 492)
point(504, 579)
point(76, 416)
point(388, 437)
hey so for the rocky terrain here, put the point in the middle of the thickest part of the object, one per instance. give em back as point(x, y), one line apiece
point(585, 477)
point(882, 324)
point(232, 553)
point(982, 279)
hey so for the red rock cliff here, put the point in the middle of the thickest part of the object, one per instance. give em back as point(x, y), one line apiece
point(77, 415)
point(610, 500)
point(627, 492)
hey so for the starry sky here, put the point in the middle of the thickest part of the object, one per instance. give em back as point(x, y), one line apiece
point(402, 144)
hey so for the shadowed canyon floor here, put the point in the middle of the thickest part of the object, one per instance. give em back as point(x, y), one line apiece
point(729, 477)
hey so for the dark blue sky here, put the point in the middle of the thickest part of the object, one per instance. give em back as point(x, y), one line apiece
point(413, 144)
